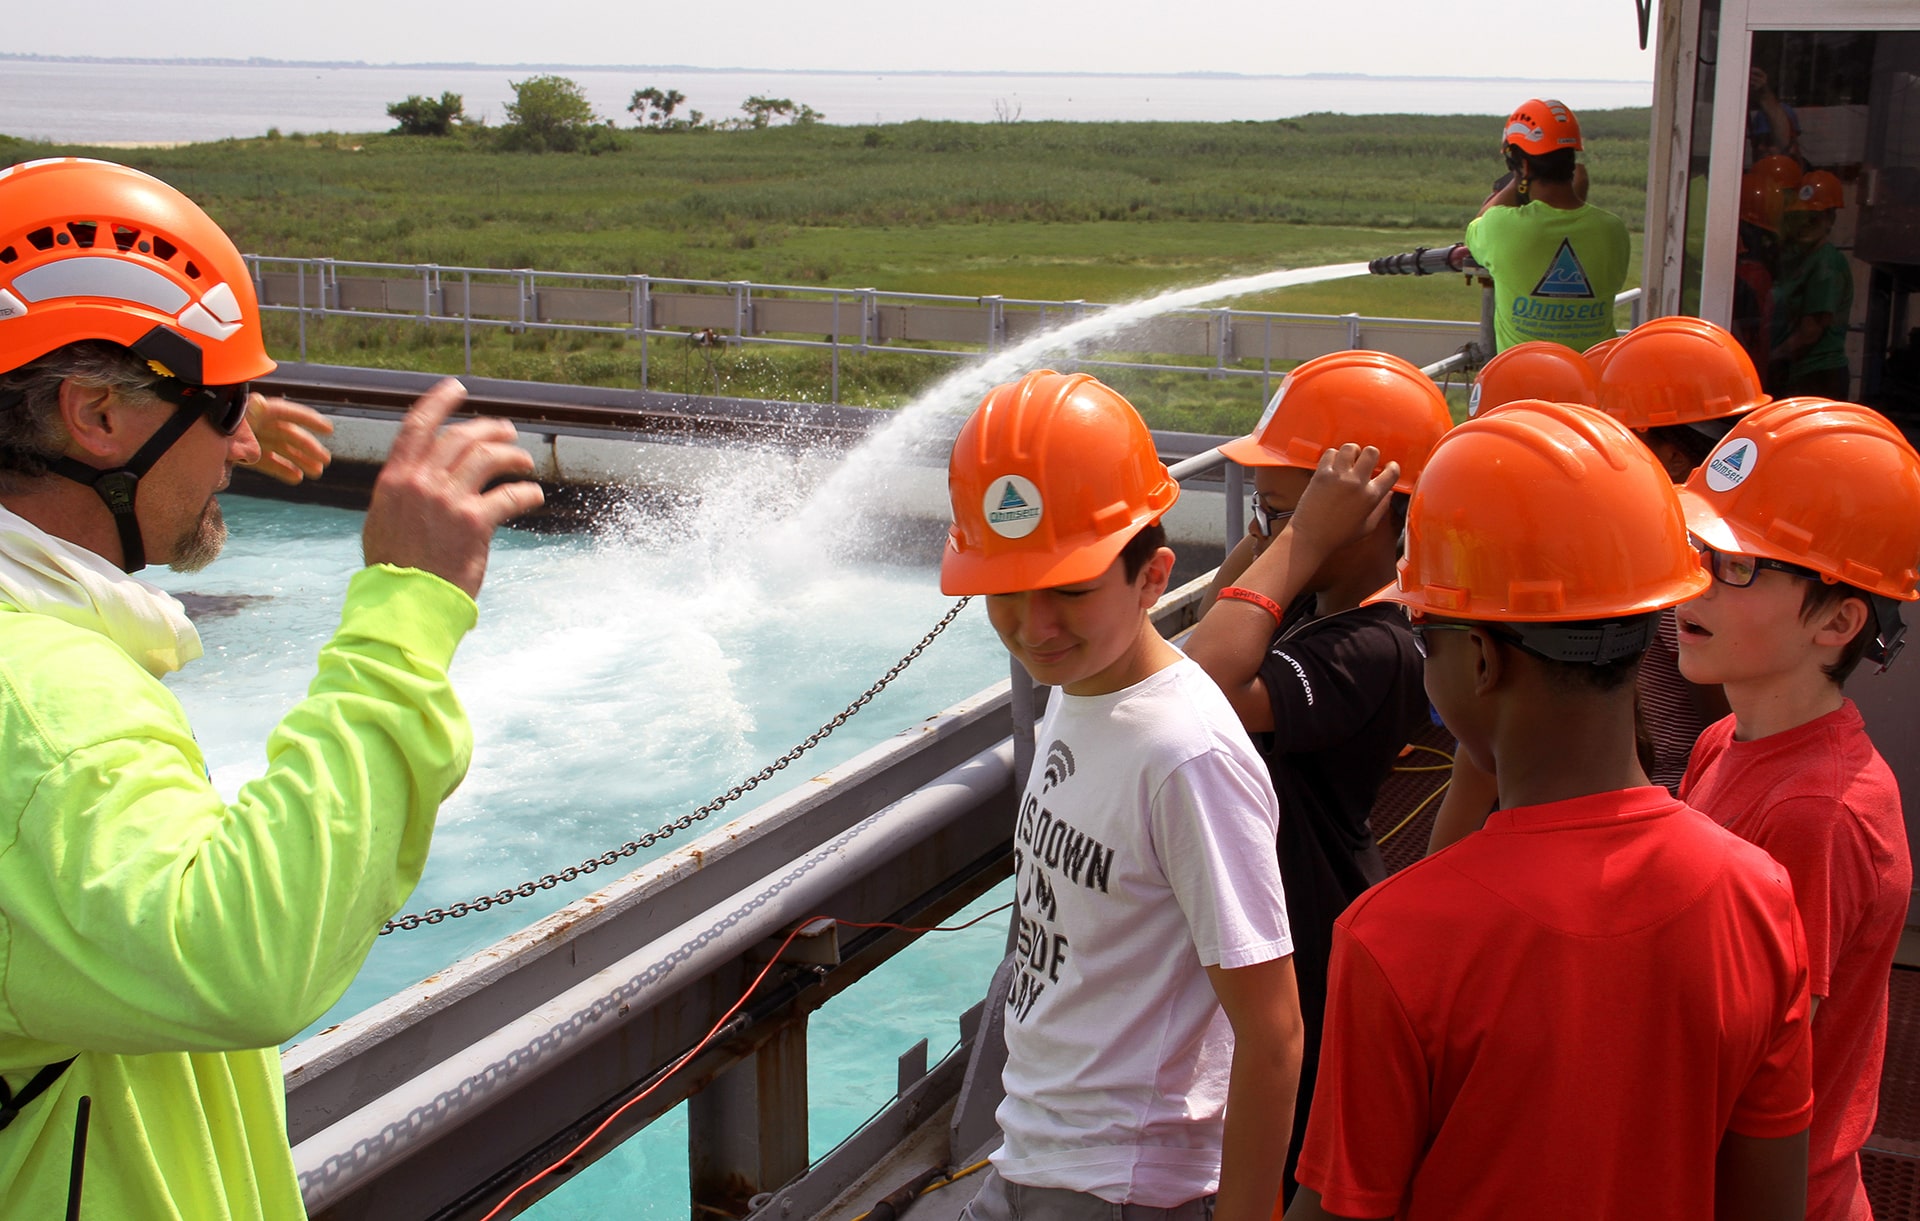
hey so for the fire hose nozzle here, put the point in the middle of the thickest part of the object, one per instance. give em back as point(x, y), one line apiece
point(1426, 261)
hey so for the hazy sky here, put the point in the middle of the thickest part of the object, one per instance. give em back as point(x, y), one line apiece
point(1583, 39)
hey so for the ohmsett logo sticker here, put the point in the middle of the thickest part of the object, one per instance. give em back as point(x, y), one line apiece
point(1731, 464)
point(1012, 506)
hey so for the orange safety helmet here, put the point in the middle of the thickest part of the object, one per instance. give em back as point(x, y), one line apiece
point(1536, 369)
point(94, 250)
point(1541, 125)
point(1677, 370)
point(1819, 191)
point(1829, 486)
point(1762, 199)
point(1544, 513)
point(1353, 397)
point(1779, 171)
point(1051, 476)
point(1597, 354)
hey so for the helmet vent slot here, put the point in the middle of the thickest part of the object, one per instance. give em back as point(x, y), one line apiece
point(193, 273)
point(124, 237)
point(163, 249)
point(83, 233)
point(42, 239)
point(9, 255)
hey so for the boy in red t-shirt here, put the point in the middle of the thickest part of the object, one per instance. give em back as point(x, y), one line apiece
point(1809, 515)
point(1595, 1007)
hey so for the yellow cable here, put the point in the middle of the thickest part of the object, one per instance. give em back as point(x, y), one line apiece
point(1416, 811)
point(951, 1179)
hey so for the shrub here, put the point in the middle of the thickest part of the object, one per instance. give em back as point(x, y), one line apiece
point(421, 116)
point(550, 113)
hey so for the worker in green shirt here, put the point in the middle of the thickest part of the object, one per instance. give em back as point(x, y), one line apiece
point(1557, 262)
point(1812, 295)
point(157, 943)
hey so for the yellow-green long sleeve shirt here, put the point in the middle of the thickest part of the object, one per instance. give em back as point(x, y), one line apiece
point(173, 940)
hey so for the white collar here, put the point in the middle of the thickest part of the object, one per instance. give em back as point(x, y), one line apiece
point(47, 575)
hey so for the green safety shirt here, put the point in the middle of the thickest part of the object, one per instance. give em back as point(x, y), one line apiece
point(172, 940)
point(1813, 281)
point(1555, 271)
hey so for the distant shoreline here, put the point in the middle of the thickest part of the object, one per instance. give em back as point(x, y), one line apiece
point(263, 62)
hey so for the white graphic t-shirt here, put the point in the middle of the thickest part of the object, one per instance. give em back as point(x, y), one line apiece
point(1144, 853)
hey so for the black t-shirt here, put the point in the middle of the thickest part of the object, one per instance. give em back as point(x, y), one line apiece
point(1348, 693)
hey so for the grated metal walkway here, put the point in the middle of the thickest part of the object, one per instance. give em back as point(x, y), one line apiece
point(1891, 1161)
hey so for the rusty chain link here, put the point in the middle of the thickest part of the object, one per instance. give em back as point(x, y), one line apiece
point(453, 911)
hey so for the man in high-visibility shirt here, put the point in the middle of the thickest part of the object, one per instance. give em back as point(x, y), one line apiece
point(156, 942)
point(1557, 261)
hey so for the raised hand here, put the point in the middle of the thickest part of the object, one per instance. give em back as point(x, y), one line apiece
point(289, 436)
point(431, 507)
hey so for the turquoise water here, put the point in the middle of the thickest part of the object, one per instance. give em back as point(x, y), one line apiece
point(615, 681)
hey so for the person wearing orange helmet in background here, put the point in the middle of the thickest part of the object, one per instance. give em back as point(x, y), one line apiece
point(1153, 1027)
point(1330, 689)
point(1596, 1007)
point(1812, 295)
point(160, 942)
point(1809, 516)
point(1557, 262)
point(1678, 384)
point(1763, 202)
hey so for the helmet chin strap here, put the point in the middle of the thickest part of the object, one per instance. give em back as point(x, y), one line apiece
point(117, 487)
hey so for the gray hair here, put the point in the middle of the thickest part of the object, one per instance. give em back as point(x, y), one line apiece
point(31, 434)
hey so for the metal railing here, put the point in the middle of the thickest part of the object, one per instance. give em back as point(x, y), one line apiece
point(1219, 342)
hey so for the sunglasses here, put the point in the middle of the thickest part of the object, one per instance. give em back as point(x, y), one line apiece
point(225, 407)
point(1422, 627)
point(1264, 518)
point(1733, 568)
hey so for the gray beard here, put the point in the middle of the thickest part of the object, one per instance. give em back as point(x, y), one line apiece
point(201, 545)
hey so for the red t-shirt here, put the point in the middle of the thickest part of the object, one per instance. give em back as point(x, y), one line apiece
point(1821, 800)
point(1561, 1016)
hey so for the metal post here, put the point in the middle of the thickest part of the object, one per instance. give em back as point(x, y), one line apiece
point(646, 324)
point(1222, 340)
point(747, 1132)
point(300, 272)
point(466, 318)
point(742, 308)
point(833, 391)
point(1266, 365)
point(1353, 329)
point(1236, 476)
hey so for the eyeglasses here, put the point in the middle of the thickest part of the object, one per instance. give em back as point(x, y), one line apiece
point(225, 407)
point(1421, 628)
point(1265, 518)
point(1738, 570)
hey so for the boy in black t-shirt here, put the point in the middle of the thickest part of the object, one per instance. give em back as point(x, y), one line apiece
point(1331, 690)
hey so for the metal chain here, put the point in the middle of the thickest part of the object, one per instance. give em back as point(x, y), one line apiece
point(454, 911)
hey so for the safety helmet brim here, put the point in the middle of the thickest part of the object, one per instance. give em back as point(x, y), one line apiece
point(979, 573)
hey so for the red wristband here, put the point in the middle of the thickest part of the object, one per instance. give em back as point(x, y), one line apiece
point(1241, 594)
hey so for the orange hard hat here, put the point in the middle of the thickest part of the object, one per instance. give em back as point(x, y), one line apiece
point(94, 250)
point(1762, 200)
point(1050, 477)
point(1597, 354)
point(1819, 191)
point(1829, 486)
point(1779, 170)
point(1541, 125)
point(1353, 397)
point(1536, 369)
point(1677, 370)
point(1544, 513)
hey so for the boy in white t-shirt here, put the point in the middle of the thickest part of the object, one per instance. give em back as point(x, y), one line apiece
point(1153, 1028)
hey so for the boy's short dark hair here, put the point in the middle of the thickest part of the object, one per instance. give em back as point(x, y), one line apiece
point(1817, 599)
point(1556, 166)
point(1140, 548)
point(1690, 441)
point(1397, 505)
